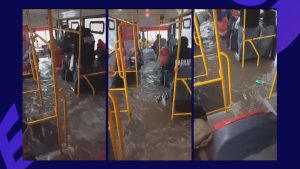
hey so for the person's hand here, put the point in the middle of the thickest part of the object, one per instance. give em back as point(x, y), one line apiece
point(176, 68)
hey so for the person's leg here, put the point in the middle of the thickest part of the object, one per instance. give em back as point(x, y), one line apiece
point(240, 39)
point(75, 73)
point(239, 43)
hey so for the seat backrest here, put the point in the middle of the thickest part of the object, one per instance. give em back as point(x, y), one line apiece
point(244, 137)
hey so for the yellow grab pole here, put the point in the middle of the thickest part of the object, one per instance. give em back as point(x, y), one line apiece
point(64, 98)
point(32, 66)
point(120, 70)
point(118, 123)
point(138, 33)
point(135, 52)
point(35, 71)
point(199, 42)
point(273, 84)
point(219, 57)
point(198, 84)
point(243, 40)
point(124, 72)
point(111, 128)
point(255, 50)
point(223, 54)
point(176, 64)
point(79, 53)
point(54, 76)
point(147, 41)
point(159, 39)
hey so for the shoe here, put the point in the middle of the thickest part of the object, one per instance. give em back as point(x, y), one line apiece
point(164, 100)
point(237, 57)
point(158, 99)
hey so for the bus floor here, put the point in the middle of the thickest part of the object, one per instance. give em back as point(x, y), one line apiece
point(152, 135)
point(86, 121)
point(247, 95)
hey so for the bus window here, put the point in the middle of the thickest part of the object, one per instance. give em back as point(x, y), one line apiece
point(186, 23)
point(186, 30)
point(112, 34)
point(97, 27)
point(73, 24)
point(44, 33)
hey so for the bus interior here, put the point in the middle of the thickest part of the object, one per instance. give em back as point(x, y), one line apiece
point(63, 117)
point(144, 122)
point(235, 98)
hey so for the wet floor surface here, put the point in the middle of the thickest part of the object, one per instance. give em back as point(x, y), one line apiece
point(86, 121)
point(247, 95)
point(152, 135)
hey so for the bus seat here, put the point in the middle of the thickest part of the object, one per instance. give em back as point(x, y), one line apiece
point(240, 137)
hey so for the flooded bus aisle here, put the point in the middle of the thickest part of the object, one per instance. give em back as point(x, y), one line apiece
point(79, 118)
point(148, 131)
point(245, 97)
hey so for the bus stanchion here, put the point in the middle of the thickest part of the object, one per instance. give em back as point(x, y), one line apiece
point(250, 40)
point(79, 74)
point(221, 78)
point(56, 93)
point(34, 63)
point(273, 85)
point(174, 113)
point(198, 42)
point(122, 74)
point(118, 125)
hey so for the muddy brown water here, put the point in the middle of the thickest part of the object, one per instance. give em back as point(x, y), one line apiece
point(247, 96)
point(86, 120)
point(152, 135)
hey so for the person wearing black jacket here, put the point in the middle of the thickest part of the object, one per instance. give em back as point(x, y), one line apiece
point(185, 57)
point(87, 57)
point(252, 23)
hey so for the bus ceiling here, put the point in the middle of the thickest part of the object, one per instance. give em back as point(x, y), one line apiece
point(148, 17)
point(39, 16)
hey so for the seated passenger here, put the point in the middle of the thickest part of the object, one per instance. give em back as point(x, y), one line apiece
point(163, 43)
point(172, 41)
point(87, 49)
point(166, 73)
point(130, 59)
point(101, 52)
point(267, 47)
point(184, 60)
point(87, 53)
point(164, 56)
point(252, 23)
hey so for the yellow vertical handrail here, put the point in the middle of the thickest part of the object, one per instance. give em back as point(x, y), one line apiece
point(273, 84)
point(221, 78)
point(250, 40)
point(225, 55)
point(199, 43)
point(243, 40)
point(79, 53)
point(54, 76)
point(34, 63)
point(123, 74)
point(138, 33)
point(134, 37)
point(119, 68)
point(176, 68)
point(219, 58)
point(56, 93)
point(118, 126)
